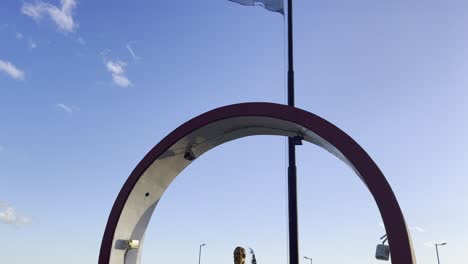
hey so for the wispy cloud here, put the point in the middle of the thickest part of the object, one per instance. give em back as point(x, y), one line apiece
point(66, 108)
point(418, 229)
point(1, 148)
point(104, 53)
point(116, 68)
point(32, 44)
point(8, 215)
point(81, 41)
point(62, 16)
point(19, 35)
point(10, 69)
point(411, 228)
point(129, 48)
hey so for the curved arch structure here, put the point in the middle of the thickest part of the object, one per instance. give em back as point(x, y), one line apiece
point(141, 192)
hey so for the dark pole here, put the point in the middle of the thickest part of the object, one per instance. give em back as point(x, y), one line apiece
point(437, 250)
point(292, 178)
point(199, 253)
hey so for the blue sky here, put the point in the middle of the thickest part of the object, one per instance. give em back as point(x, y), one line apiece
point(87, 88)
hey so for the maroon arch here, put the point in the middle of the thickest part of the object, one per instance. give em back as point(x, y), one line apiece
point(394, 222)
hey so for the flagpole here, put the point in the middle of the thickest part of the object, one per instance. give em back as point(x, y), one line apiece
point(292, 177)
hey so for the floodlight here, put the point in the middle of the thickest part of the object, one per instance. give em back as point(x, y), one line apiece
point(382, 252)
point(133, 244)
point(188, 155)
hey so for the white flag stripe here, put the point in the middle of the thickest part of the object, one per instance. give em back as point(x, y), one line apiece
point(272, 5)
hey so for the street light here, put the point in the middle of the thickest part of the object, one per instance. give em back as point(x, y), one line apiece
point(199, 253)
point(308, 259)
point(437, 251)
point(382, 252)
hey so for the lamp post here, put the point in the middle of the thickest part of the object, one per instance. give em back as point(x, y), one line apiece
point(199, 253)
point(308, 259)
point(437, 250)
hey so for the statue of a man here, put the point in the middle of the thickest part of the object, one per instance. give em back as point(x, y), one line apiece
point(239, 255)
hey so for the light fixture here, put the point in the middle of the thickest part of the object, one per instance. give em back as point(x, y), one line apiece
point(308, 259)
point(133, 244)
point(297, 140)
point(188, 155)
point(437, 250)
point(382, 251)
point(199, 253)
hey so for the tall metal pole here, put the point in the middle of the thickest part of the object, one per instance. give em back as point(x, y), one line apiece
point(199, 253)
point(292, 178)
point(437, 250)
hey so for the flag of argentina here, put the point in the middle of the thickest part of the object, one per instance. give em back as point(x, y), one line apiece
point(272, 5)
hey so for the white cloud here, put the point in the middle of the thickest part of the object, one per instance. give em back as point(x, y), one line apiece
point(129, 48)
point(70, 109)
point(65, 108)
point(32, 44)
point(411, 228)
point(8, 215)
point(19, 35)
point(121, 80)
point(81, 41)
point(62, 16)
point(418, 229)
point(116, 68)
point(10, 69)
point(104, 53)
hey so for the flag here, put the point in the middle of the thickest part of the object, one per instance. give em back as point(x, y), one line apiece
point(272, 5)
